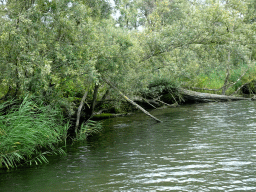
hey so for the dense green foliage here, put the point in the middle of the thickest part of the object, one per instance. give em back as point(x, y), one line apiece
point(29, 132)
point(57, 49)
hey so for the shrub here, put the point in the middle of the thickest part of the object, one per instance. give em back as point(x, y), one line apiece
point(159, 86)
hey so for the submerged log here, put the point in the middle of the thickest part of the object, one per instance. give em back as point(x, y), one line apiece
point(206, 97)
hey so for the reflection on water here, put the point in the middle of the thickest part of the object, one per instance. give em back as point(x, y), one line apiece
point(203, 147)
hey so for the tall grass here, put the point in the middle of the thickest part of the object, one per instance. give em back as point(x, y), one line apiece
point(216, 79)
point(91, 127)
point(29, 132)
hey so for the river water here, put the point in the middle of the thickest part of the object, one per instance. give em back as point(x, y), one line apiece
point(198, 147)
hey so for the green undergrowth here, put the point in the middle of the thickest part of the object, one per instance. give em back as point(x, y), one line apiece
point(159, 86)
point(216, 79)
point(88, 128)
point(29, 132)
point(213, 80)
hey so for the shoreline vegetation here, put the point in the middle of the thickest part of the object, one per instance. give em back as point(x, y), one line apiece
point(30, 131)
point(65, 64)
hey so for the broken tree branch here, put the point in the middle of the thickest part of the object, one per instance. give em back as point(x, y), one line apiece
point(129, 100)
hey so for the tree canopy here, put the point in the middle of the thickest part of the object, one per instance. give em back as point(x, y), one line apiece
point(56, 49)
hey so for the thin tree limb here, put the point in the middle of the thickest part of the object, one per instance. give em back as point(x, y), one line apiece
point(239, 88)
point(149, 103)
point(129, 100)
point(95, 93)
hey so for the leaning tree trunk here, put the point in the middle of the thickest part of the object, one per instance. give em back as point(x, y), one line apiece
point(79, 110)
point(129, 100)
point(95, 93)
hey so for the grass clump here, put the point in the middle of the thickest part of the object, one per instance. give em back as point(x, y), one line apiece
point(29, 132)
point(91, 127)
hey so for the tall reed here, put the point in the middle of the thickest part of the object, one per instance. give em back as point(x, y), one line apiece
point(29, 132)
point(89, 128)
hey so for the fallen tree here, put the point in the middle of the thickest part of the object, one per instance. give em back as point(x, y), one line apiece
point(206, 97)
point(129, 100)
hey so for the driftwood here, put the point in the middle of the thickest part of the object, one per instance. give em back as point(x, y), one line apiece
point(207, 97)
point(100, 116)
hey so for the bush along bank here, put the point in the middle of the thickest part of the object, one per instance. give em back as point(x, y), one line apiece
point(31, 131)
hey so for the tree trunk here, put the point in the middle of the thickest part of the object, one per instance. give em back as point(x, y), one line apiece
point(207, 97)
point(79, 110)
point(18, 83)
point(129, 100)
point(105, 96)
point(95, 93)
point(225, 86)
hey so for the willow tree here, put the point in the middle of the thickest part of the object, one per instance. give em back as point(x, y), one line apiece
point(226, 40)
point(186, 38)
point(46, 45)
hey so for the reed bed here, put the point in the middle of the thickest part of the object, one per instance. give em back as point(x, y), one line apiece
point(29, 132)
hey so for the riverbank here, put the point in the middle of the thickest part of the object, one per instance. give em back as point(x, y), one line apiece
point(198, 147)
point(30, 130)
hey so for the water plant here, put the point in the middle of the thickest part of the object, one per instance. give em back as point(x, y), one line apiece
point(88, 128)
point(29, 132)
